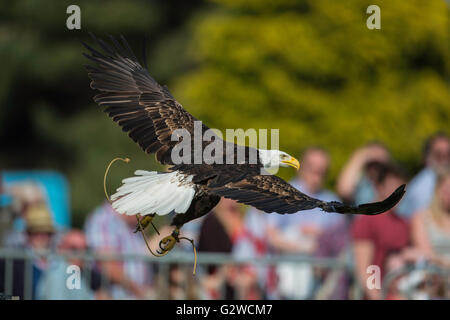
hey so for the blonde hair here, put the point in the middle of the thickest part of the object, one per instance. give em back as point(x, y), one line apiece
point(436, 211)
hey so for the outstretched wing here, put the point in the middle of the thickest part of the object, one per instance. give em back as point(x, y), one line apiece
point(272, 194)
point(133, 99)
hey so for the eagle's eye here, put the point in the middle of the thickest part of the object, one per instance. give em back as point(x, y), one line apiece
point(284, 157)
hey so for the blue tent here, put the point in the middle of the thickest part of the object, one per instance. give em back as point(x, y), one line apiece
point(56, 191)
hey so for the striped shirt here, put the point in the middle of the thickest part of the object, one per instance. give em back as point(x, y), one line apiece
point(106, 231)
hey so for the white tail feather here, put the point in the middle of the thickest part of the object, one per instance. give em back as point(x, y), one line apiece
point(152, 192)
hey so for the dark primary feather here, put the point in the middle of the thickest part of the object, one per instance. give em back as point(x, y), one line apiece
point(367, 208)
point(133, 99)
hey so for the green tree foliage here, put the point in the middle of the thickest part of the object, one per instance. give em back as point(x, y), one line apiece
point(48, 119)
point(314, 70)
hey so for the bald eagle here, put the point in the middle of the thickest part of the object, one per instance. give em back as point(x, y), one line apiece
point(151, 116)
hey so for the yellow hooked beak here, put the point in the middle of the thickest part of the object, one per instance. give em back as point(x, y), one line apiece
point(292, 162)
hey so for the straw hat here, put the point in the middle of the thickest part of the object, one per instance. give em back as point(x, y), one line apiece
point(39, 219)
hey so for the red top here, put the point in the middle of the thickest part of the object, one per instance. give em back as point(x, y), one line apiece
point(388, 232)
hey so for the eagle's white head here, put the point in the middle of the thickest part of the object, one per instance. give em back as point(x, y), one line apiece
point(272, 159)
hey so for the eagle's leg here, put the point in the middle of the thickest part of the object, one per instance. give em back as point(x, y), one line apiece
point(167, 243)
point(145, 222)
point(198, 208)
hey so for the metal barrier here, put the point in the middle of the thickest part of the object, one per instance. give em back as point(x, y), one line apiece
point(183, 259)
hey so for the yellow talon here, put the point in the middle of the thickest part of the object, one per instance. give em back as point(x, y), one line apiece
point(167, 243)
point(145, 221)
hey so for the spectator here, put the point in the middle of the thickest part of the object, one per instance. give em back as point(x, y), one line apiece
point(298, 233)
point(40, 231)
point(109, 232)
point(421, 189)
point(334, 242)
point(216, 233)
point(24, 195)
point(221, 227)
point(182, 286)
point(40, 185)
point(431, 227)
point(308, 223)
point(377, 237)
point(253, 243)
point(53, 285)
point(219, 232)
point(39, 235)
point(357, 178)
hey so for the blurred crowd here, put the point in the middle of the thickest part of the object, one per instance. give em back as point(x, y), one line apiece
point(413, 235)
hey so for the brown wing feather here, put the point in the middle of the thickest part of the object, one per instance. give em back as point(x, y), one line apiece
point(133, 99)
point(272, 194)
point(267, 193)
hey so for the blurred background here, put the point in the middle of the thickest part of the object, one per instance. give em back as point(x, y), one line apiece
point(364, 110)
